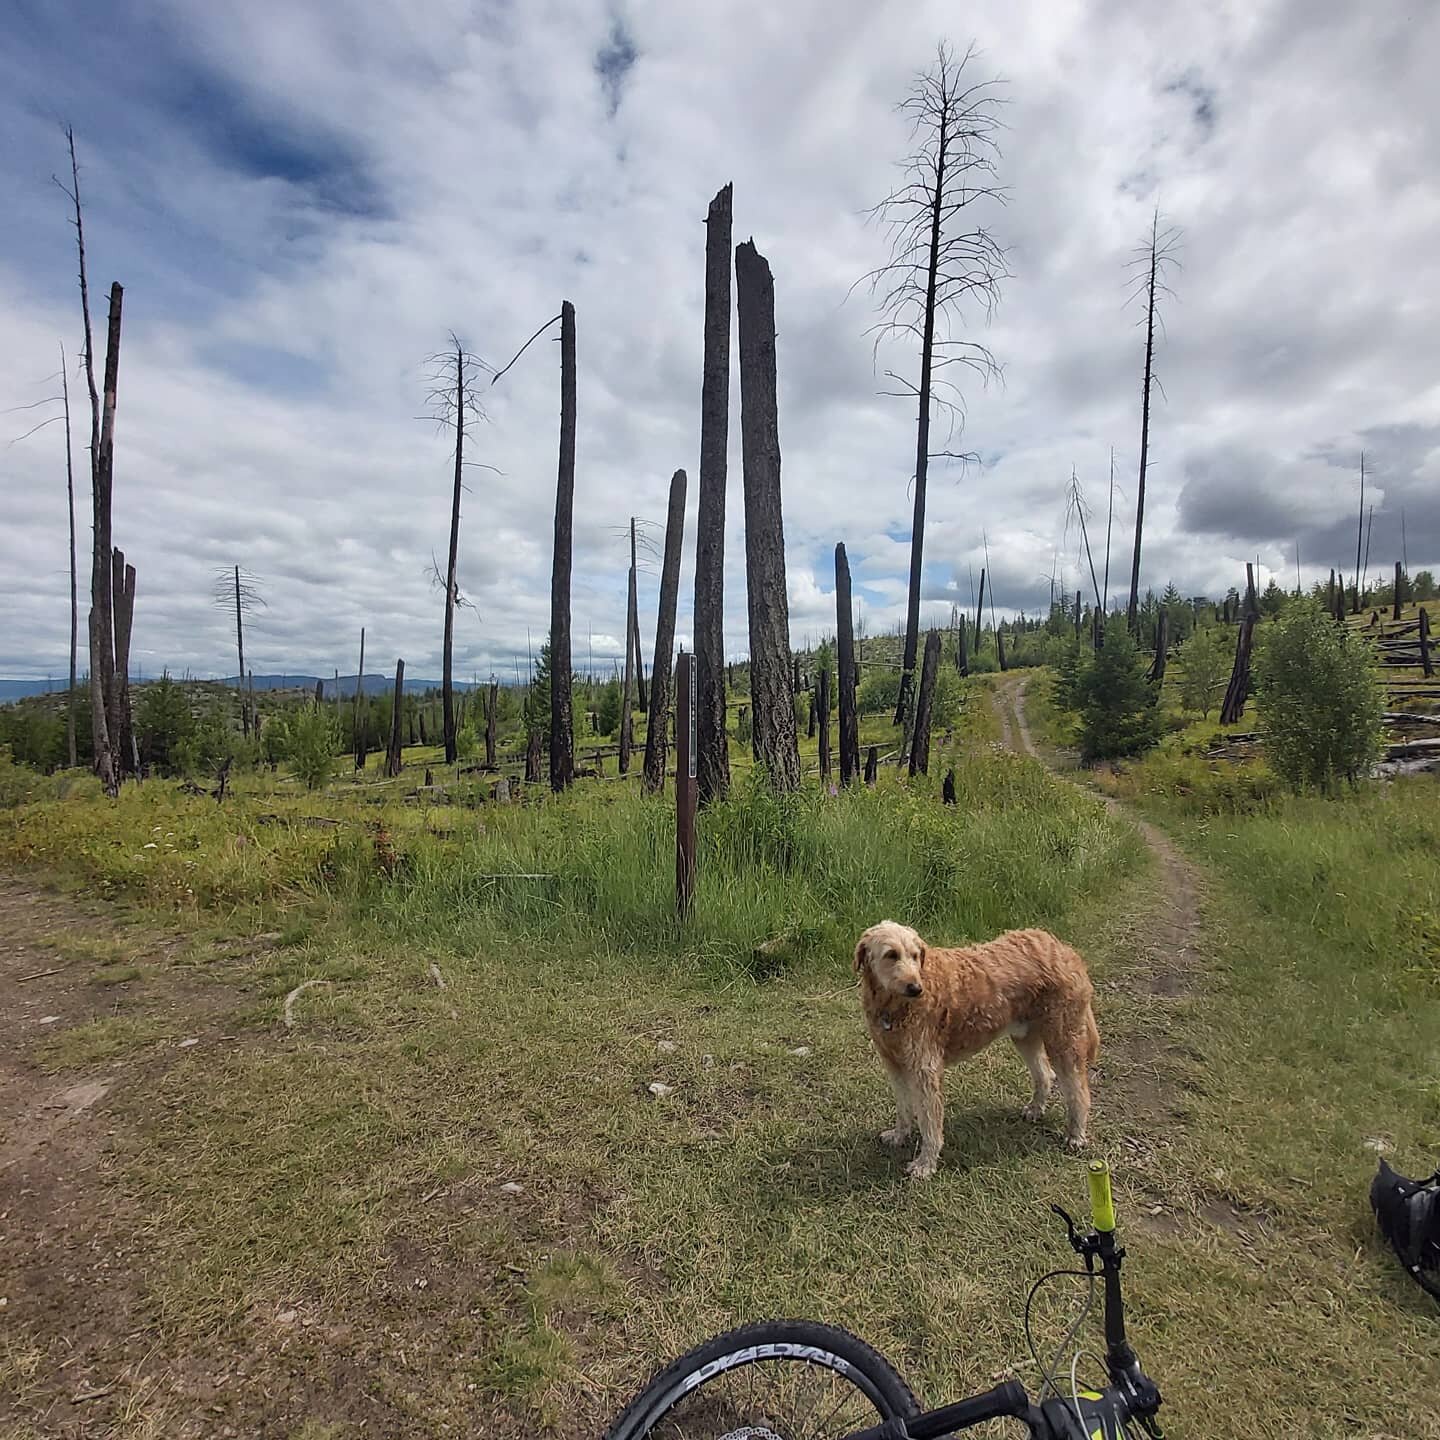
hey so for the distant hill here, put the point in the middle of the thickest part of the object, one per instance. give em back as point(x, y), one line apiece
point(373, 685)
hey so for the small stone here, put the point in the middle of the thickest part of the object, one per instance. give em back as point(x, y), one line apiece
point(1378, 1144)
point(512, 1187)
point(49, 1019)
point(186, 1044)
point(708, 1061)
point(666, 1047)
point(660, 1090)
point(287, 1317)
point(801, 1050)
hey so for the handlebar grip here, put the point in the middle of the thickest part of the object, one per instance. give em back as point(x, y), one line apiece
point(1102, 1202)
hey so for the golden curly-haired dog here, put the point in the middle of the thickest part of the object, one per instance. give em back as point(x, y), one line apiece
point(927, 1007)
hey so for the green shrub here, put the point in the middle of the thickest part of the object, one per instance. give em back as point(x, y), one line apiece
point(163, 723)
point(1118, 711)
point(1204, 662)
point(314, 743)
point(607, 708)
point(878, 692)
point(1318, 699)
point(17, 784)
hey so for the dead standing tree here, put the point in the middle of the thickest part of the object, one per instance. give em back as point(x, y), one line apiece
point(453, 403)
point(925, 706)
point(122, 599)
point(100, 627)
point(357, 730)
point(772, 693)
point(1152, 261)
point(70, 743)
point(239, 590)
point(942, 267)
point(712, 765)
point(845, 662)
point(654, 775)
point(394, 753)
point(1238, 690)
point(562, 737)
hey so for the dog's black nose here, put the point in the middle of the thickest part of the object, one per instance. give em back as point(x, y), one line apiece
point(912, 990)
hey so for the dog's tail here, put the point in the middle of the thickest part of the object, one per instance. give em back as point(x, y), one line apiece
point(1092, 1036)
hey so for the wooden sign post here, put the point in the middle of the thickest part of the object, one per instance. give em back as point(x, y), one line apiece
point(685, 712)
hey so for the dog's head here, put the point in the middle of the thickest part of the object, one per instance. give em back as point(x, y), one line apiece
point(893, 956)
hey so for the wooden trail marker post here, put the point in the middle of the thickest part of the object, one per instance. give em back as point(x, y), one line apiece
point(685, 785)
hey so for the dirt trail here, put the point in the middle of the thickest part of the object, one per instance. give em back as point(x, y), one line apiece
point(1141, 1065)
point(1174, 923)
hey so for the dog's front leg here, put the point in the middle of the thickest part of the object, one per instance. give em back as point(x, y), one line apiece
point(927, 1097)
point(904, 1118)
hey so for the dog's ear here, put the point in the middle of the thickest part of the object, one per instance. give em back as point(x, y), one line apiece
point(923, 955)
point(862, 951)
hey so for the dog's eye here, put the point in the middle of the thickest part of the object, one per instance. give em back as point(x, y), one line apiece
point(892, 954)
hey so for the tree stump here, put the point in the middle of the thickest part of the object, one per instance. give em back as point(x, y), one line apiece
point(872, 764)
point(947, 791)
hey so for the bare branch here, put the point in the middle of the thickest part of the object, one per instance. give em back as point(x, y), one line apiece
point(524, 348)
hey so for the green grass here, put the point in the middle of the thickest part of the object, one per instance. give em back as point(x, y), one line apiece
point(355, 1169)
point(97, 1041)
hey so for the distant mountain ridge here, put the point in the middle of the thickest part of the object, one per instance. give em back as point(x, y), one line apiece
point(373, 684)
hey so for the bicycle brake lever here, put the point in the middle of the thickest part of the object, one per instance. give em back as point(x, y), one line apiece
point(1070, 1226)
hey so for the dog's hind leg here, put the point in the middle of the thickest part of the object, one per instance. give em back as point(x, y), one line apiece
point(904, 1114)
point(1069, 1057)
point(927, 1098)
point(1032, 1051)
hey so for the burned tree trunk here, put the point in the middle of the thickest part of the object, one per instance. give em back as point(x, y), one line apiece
point(810, 720)
point(126, 755)
point(771, 691)
point(532, 758)
point(627, 716)
point(492, 701)
point(357, 729)
point(924, 706)
point(1238, 690)
point(105, 723)
point(654, 777)
point(394, 755)
point(962, 655)
point(822, 706)
point(947, 791)
point(872, 764)
point(447, 686)
point(1000, 647)
point(71, 749)
point(1079, 615)
point(562, 738)
point(980, 612)
point(1399, 589)
point(845, 665)
point(1426, 664)
point(1156, 674)
point(424, 737)
point(712, 761)
point(1330, 595)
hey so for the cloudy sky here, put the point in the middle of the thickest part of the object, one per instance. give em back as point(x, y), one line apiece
point(303, 199)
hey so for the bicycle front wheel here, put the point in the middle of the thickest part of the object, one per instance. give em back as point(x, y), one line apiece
point(776, 1380)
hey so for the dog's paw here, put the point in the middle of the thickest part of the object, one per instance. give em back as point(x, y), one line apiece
point(1034, 1112)
point(894, 1138)
point(1075, 1144)
point(919, 1169)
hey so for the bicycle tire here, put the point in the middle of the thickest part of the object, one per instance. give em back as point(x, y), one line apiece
point(806, 1341)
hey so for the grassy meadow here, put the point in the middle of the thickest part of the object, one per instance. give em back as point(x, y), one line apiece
point(493, 1207)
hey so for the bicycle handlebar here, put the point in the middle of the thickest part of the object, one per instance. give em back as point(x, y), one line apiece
point(1007, 1399)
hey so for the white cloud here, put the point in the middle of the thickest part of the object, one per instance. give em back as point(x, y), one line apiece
point(302, 201)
